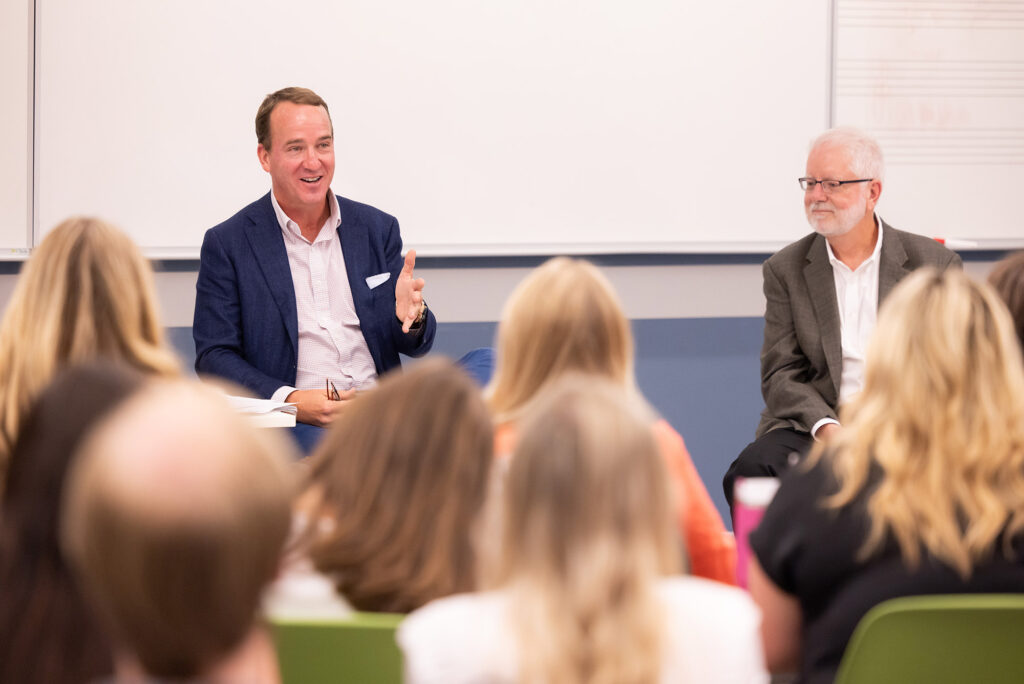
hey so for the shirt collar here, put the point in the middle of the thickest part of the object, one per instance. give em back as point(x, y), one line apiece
point(334, 220)
point(874, 253)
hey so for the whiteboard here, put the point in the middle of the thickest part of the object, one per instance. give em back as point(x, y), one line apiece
point(514, 127)
point(942, 87)
point(16, 122)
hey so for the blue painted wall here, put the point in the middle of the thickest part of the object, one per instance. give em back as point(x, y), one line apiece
point(701, 374)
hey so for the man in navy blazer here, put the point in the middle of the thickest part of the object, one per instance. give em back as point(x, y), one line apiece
point(302, 286)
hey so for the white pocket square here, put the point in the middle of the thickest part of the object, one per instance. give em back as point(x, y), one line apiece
point(379, 279)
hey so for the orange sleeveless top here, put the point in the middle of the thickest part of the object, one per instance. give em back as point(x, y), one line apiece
point(710, 548)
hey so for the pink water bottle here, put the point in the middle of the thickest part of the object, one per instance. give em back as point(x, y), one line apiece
point(751, 496)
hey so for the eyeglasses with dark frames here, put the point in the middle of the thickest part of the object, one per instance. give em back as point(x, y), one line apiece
point(828, 185)
point(332, 391)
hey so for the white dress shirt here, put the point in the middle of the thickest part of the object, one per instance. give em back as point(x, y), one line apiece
point(857, 297)
point(331, 343)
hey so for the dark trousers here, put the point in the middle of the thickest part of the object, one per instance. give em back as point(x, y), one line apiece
point(769, 455)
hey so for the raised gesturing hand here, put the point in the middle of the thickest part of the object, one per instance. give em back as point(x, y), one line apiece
point(408, 293)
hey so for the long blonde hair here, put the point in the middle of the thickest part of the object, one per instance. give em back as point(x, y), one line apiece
point(563, 317)
point(86, 292)
point(941, 420)
point(587, 532)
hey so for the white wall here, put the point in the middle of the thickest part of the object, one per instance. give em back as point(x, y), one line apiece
point(477, 294)
point(15, 122)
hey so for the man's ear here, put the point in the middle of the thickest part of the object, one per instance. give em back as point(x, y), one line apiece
point(264, 156)
point(874, 191)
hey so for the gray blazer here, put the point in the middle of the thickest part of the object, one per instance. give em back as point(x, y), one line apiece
point(801, 360)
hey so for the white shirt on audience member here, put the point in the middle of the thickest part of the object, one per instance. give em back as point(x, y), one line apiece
point(300, 592)
point(331, 343)
point(713, 636)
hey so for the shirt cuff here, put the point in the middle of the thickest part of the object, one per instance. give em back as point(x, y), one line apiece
point(282, 394)
point(823, 421)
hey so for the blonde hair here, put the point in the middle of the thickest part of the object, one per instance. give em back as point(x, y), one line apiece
point(563, 317)
point(175, 515)
point(939, 424)
point(398, 483)
point(587, 532)
point(86, 292)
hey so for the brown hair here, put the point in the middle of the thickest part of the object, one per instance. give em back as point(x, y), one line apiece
point(400, 481)
point(47, 633)
point(86, 293)
point(588, 532)
point(563, 317)
point(175, 517)
point(303, 96)
point(1008, 280)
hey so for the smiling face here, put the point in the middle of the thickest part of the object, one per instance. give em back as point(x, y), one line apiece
point(838, 213)
point(300, 160)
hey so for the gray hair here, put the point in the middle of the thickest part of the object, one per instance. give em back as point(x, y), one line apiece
point(865, 153)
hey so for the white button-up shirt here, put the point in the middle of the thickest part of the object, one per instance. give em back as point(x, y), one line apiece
point(331, 343)
point(857, 297)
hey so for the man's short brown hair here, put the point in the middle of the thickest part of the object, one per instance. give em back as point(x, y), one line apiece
point(303, 96)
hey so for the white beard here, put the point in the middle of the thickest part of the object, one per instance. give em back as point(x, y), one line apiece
point(839, 223)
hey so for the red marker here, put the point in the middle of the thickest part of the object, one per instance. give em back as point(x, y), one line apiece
point(956, 243)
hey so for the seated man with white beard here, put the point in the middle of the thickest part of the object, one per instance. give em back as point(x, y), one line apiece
point(822, 295)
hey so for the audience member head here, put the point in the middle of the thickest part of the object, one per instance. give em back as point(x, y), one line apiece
point(175, 518)
point(939, 423)
point(398, 485)
point(587, 530)
point(563, 317)
point(1008, 280)
point(47, 634)
point(844, 154)
point(85, 293)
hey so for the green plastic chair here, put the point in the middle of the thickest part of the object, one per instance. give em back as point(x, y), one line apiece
point(937, 639)
point(360, 649)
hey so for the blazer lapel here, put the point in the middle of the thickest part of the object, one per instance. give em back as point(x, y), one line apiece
point(822, 289)
point(268, 247)
point(355, 250)
point(890, 262)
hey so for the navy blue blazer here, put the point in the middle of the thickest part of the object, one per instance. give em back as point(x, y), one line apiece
point(245, 325)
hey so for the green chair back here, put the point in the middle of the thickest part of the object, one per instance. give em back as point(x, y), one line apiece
point(938, 639)
point(360, 649)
